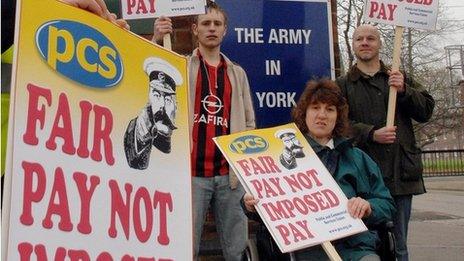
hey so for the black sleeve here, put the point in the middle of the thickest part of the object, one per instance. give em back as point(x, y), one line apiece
point(416, 101)
point(137, 154)
point(8, 23)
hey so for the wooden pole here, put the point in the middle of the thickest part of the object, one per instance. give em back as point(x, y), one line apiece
point(331, 252)
point(167, 41)
point(395, 67)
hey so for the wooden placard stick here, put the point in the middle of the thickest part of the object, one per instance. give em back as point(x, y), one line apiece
point(331, 252)
point(395, 67)
point(167, 41)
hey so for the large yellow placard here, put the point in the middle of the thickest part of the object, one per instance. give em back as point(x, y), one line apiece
point(98, 164)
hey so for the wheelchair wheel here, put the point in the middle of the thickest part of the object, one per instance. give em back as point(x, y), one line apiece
point(251, 252)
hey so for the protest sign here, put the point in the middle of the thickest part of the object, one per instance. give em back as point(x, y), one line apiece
point(299, 201)
point(282, 44)
point(138, 9)
point(419, 14)
point(83, 179)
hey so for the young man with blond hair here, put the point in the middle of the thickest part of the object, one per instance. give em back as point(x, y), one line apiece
point(220, 103)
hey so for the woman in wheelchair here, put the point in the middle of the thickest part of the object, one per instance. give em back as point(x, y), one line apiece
point(322, 115)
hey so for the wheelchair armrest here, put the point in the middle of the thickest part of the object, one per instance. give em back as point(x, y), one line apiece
point(385, 226)
point(386, 249)
point(389, 225)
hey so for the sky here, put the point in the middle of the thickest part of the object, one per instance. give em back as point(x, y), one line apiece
point(455, 11)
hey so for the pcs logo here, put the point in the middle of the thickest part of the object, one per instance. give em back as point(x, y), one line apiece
point(80, 53)
point(248, 144)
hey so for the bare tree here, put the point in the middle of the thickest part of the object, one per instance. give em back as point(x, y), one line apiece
point(448, 114)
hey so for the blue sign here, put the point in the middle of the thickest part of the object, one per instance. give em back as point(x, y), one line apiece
point(281, 45)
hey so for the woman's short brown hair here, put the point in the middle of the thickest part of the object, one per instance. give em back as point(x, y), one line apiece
point(322, 91)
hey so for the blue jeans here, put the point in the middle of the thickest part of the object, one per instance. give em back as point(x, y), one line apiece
point(231, 222)
point(401, 221)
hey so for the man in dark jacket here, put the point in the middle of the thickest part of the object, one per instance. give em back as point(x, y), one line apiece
point(366, 88)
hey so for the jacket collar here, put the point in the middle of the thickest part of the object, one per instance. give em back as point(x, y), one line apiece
point(195, 56)
point(221, 63)
point(340, 144)
point(329, 157)
point(354, 73)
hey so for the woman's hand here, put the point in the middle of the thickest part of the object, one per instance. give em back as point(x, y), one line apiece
point(250, 202)
point(359, 208)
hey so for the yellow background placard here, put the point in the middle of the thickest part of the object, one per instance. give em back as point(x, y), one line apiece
point(68, 183)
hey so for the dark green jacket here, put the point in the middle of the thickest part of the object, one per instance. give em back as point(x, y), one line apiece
point(367, 98)
point(358, 176)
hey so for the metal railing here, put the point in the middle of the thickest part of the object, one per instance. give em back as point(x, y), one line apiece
point(443, 162)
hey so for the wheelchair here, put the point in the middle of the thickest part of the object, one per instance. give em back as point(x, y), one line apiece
point(262, 246)
point(386, 249)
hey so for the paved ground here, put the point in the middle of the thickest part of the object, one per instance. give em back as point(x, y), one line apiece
point(445, 183)
point(437, 223)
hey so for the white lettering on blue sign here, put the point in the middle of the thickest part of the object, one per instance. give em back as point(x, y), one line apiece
point(249, 35)
point(276, 36)
point(276, 100)
point(289, 36)
point(273, 67)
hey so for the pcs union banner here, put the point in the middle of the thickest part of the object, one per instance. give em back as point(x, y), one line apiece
point(98, 164)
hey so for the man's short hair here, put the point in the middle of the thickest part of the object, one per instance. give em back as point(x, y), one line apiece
point(372, 27)
point(210, 5)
